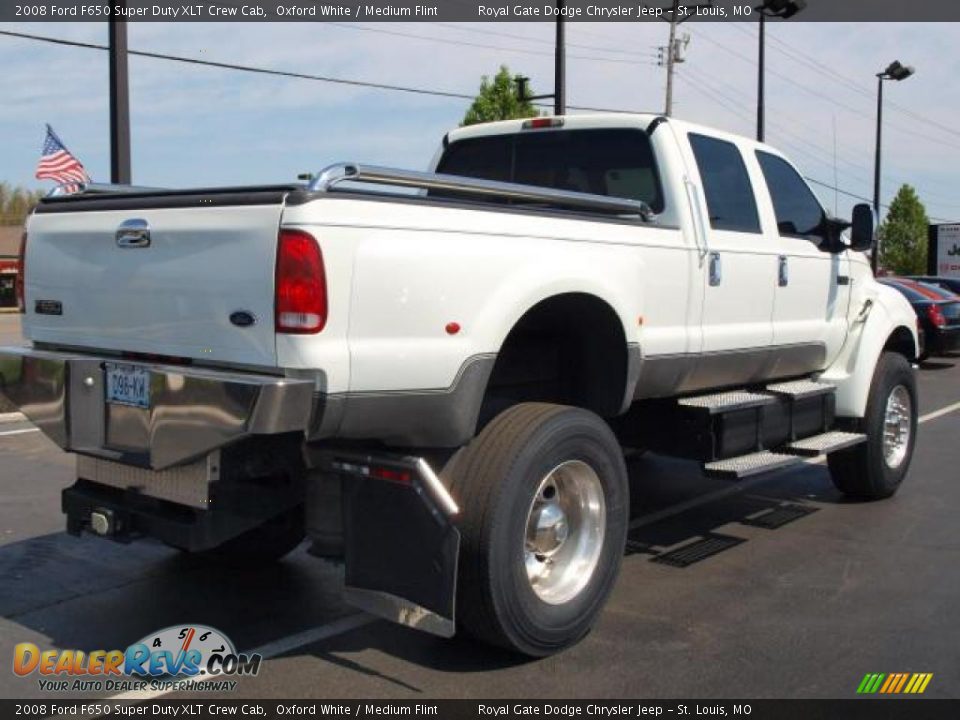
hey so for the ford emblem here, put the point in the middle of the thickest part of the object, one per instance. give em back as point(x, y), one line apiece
point(242, 318)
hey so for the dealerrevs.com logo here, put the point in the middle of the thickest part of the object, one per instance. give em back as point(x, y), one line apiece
point(194, 657)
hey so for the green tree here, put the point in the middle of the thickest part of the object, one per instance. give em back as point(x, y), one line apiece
point(16, 203)
point(498, 100)
point(903, 235)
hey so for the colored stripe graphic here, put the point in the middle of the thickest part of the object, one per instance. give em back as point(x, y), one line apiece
point(894, 683)
point(903, 680)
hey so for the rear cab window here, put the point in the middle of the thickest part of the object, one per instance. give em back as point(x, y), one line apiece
point(618, 162)
point(731, 202)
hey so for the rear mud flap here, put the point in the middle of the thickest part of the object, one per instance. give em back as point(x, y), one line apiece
point(400, 543)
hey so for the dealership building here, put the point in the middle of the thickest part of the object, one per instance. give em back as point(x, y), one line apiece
point(9, 269)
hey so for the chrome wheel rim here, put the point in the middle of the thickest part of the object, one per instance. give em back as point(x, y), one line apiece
point(565, 527)
point(896, 426)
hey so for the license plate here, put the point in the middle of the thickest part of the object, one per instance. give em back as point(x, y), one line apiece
point(128, 385)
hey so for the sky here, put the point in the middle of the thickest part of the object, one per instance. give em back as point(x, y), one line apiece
point(201, 126)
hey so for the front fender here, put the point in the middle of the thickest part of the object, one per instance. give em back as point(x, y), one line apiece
point(881, 312)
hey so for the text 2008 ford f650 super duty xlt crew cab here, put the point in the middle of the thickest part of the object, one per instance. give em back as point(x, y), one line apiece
point(436, 387)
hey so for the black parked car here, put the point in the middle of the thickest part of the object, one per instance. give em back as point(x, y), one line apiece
point(939, 313)
point(947, 283)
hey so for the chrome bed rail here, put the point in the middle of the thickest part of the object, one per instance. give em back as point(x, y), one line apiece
point(338, 173)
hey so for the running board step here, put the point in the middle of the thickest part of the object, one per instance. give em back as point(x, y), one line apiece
point(727, 401)
point(756, 463)
point(801, 389)
point(827, 442)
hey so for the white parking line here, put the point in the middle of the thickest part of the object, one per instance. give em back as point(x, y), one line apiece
point(19, 432)
point(12, 417)
point(269, 650)
point(939, 413)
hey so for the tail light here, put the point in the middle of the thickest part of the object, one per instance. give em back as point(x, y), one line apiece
point(21, 279)
point(935, 315)
point(301, 284)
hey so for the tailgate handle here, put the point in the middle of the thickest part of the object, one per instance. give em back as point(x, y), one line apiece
point(133, 233)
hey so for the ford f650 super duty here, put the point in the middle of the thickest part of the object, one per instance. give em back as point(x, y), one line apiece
point(433, 375)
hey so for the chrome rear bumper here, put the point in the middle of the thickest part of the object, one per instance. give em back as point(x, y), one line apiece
point(192, 410)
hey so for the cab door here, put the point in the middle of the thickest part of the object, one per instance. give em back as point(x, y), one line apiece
point(812, 291)
point(738, 271)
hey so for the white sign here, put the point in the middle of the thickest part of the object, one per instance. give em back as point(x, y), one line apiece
point(948, 251)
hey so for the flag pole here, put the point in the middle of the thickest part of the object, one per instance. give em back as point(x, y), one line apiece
point(119, 101)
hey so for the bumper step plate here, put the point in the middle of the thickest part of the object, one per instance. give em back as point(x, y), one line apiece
point(743, 466)
point(828, 442)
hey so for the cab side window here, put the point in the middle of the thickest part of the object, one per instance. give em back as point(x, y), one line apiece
point(726, 185)
point(798, 211)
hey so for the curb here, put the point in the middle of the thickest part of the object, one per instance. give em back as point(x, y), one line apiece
point(12, 417)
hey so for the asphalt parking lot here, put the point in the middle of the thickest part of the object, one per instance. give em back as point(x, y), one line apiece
point(800, 611)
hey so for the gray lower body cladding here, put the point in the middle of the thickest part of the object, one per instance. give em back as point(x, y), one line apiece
point(422, 418)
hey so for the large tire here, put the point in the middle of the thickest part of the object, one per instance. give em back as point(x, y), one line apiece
point(543, 486)
point(875, 469)
point(263, 545)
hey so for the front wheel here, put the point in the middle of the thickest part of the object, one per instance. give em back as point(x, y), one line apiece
point(874, 469)
point(544, 511)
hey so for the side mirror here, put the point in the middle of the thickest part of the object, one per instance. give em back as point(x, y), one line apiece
point(833, 235)
point(861, 232)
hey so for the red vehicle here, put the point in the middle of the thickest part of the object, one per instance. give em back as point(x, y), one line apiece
point(939, 313)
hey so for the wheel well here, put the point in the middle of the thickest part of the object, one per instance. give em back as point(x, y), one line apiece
point(901, 341)
point(568, 349)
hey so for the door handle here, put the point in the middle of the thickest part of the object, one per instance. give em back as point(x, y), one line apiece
point(783, 272)
point(133, 233)
point(716, 270)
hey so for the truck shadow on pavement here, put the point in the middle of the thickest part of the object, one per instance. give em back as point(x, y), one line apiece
point(89, 594)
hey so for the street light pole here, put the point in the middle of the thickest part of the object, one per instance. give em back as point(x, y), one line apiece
point(782, 9)
point(895, 71)
point(876, 157)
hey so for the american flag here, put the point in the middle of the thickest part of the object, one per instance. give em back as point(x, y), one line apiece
point(58, 164)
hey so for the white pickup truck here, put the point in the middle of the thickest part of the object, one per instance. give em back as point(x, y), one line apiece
point(433, 375)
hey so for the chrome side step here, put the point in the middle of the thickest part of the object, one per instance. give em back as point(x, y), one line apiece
point(727, 401)
point(744, 466)
point(827, 442)
point(800, 389)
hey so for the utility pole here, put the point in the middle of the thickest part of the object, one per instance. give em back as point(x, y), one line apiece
point(671, 58)
point(119, 101)
point(560, 65)
point(559, 93)
point(673, 52)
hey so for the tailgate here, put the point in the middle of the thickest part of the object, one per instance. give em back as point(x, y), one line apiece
point(89, 286)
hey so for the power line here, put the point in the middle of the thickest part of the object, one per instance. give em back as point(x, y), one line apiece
point(816, 93)
point(707, 85)
point(429, 38)
point(710, 92)
point(280, 73)
point(526, 38)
